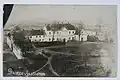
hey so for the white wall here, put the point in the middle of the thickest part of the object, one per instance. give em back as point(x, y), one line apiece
point(16, 50)
point(64, 34)
point(60, 35)
point(81, 36)
point(9, 42)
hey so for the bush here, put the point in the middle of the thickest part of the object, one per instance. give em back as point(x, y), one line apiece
point(92, 38)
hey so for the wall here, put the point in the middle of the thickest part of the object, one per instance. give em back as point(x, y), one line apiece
point(58, 36)
point(16, 50)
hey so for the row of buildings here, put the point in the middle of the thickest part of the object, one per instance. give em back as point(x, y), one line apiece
point(63, 32)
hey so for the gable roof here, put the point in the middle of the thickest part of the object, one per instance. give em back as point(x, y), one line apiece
point(63, 28)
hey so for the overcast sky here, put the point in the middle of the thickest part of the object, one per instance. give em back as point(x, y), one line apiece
point(31, 14)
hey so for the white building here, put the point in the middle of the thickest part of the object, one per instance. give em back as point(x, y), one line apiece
point(85, 33)
point(64, 34)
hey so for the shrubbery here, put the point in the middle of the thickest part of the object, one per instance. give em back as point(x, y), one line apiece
point(92, 38)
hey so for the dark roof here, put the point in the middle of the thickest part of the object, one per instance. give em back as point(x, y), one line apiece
point(37, 32)
point(29, 32)
point(60, 26)
point(69, 27)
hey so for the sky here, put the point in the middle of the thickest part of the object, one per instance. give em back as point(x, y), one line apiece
point(88, 14)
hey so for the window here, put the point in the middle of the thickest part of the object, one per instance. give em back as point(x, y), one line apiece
point(30, 36)
point(69, 32)
point(57, 32)
point(42, 39)
point(43, 35)
point(75, 37)
point(69, 38)
point(57, 39)
point(39, 35)
point(49, 39)
point(72, 38)
point(39, 39)
point(49, 32)
point(73, 32)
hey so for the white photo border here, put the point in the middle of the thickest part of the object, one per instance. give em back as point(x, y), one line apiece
point(65, 2)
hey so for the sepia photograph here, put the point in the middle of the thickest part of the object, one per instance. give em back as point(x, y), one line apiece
point(48, 40)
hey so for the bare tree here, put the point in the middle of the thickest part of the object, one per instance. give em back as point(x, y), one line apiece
point(80, 27)
point(54, 28)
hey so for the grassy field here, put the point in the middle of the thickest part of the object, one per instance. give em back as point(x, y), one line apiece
point(83, 63)
point(100, 65)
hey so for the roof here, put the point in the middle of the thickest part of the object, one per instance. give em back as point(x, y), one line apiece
point(37, 32)
point(60, 26)
point(69, 27)
point(92, 30)
point(85, 30)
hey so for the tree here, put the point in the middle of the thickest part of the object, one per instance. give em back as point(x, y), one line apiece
point(54, 28)
point(80, 27)
point(92, 38)
point(16, 28)
point(19, 38)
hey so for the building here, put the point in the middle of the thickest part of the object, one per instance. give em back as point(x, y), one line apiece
point(63, 32)
point(85, 33)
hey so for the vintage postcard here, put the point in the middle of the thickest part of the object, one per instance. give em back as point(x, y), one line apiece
point(43, 40)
